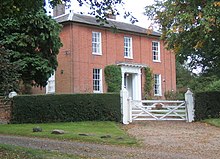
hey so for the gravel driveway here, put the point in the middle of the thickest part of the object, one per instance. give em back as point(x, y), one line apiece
point(160, 140)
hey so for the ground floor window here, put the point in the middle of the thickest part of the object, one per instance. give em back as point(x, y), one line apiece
point(97, 80)
point(157, 85)
point(50, 88)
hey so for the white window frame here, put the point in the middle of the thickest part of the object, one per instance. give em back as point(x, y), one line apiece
point(96, 43)
point(156, 51)
point(128, 52)
point(97, 78)
point(50, 87)
point(157, 85)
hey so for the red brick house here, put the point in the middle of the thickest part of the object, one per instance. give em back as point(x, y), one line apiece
point(88, 48)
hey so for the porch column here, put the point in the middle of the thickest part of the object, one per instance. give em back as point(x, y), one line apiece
point(136, 82)
point(123, 80)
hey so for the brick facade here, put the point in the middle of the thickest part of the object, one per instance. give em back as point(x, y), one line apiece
point(76, 61)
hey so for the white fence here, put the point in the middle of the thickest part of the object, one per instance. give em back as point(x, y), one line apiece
point(157, 109)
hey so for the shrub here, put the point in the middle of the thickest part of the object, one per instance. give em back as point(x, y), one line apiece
point(149, 81)
point(207, 105)
point(172, 95)
point(113, 78)
point(66, 108)
point(214, 86)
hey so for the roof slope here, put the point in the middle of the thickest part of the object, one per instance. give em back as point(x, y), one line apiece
point(85, 19)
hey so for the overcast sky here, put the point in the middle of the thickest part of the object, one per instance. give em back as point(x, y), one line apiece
point(134, 6)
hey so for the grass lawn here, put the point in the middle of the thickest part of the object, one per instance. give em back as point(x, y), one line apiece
point(15, 152)
point(215, 122)
point(90, 131)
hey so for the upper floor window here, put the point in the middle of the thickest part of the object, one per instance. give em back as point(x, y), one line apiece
point(157, 85)
point(156, 51)
point(97, 80)
point(128, 47)
point(96, 43)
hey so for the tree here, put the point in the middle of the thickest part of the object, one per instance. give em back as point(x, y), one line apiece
point(31, 38)
point(33, 41)
point(191, 30)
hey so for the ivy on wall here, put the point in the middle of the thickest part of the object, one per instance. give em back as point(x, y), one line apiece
point(149, 81)
point(113, 78)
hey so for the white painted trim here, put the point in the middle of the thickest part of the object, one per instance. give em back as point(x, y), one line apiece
point(51, 85)
point(100, 46)
point(160, 85)
point(131, 48)
point(159, 54)
point(136, 80)
point(100, 82)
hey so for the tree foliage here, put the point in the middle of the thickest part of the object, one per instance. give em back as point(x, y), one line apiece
point(31, 38)
point(197, 83)
point(191, 29)
point(33, 41)
point(8, 73)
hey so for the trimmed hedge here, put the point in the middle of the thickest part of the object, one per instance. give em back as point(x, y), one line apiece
point(207, 105)
point(66, 108)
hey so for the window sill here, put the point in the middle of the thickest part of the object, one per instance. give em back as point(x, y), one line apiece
point(97, 92)
point(157, 61)
point(98, 54)
point(157, 95)
point(131, 58)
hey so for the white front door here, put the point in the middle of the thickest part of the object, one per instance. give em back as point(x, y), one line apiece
point(128, 84)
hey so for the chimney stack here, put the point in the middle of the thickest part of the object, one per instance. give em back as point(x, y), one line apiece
point(59, 10)
point(110, 15)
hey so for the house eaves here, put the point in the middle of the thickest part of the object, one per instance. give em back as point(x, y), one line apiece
point(89, 20)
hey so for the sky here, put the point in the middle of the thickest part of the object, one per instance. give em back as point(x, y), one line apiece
point(134, 6)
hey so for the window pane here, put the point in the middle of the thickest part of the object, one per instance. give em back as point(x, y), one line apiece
point(155, 51)
point(128, 47)
point(97, 80)
point(96, 42)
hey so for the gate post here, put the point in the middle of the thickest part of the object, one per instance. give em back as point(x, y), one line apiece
point(189, 105)
point(124, 106)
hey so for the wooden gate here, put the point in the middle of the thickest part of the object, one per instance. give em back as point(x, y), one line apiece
point(158, 110)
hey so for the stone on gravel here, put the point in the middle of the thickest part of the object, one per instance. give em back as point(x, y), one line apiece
point(106, 136)
point(37, 129)
point(56, 131)
point(120, 138)
point(83, 135)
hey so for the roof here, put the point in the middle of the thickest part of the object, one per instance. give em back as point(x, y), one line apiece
point(86, 19)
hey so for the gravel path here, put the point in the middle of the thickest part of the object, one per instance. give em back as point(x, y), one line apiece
point(160, 140)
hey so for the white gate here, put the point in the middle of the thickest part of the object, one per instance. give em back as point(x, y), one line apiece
point(157, 109)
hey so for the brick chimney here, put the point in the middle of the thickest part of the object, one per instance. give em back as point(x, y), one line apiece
point(110, 15)
point(59, 10)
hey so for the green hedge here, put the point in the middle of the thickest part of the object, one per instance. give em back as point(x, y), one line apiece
point(66, 108)
point(207, 105)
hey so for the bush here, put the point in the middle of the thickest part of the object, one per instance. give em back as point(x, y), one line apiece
point(113, 78)
point(149, 81)
point(172, 95)
point(214, 86)
point(66, 108)
point(207, 105)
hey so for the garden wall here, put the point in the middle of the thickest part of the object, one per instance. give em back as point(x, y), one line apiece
point(5, 110)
